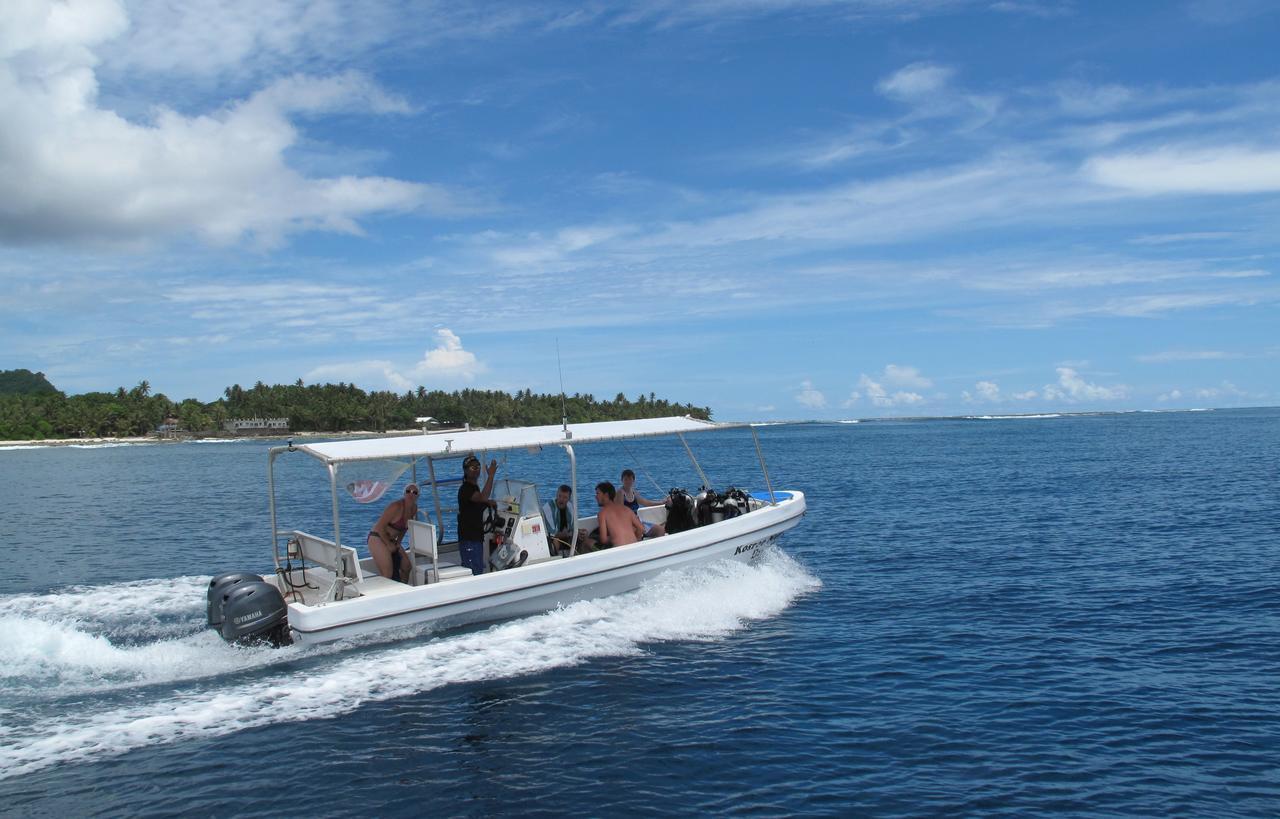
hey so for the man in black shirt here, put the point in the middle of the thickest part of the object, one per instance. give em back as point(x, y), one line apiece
point(472, 501)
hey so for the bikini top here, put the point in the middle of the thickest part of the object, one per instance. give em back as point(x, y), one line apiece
point(631, 503)
point(403, 523)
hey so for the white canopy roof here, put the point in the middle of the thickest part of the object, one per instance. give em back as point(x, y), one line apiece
point(459, 443)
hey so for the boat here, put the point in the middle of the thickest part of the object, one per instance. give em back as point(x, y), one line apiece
point(322, 590)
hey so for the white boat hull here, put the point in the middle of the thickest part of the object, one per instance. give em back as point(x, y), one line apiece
point(547, 585)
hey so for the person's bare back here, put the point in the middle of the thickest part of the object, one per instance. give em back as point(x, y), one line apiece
point(618, 525)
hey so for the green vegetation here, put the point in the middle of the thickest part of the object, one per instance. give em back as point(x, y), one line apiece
point(318, 408)
point(24, 382)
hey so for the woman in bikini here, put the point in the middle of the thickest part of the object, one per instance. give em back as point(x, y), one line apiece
point(384, 538)
point(633, 500)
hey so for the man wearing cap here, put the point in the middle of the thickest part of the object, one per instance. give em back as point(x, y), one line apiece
point(472, 501)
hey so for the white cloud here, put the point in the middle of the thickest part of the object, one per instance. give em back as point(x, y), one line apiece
point(1217, 170)
point(667, 13)
point(1071, 387)
point(448, 359)
point(541, 251)
point(1083, 100)
point(915, 81)
point(1180, 238)
point(1185, 355)
point(983, 392)
point(988, 392)
point(235, 39)
point(1225, 390)
point(810, 397)
point(1034, 8)
point(1171, 395)
point(447, 362)
point(1168, 302)
point(903, 376)
point(879, 396)
point(72, 169)
point(926, 89)
point(1226, 12)
point(368, 375)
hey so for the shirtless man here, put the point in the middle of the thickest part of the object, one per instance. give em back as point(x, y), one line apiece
point(619, 526)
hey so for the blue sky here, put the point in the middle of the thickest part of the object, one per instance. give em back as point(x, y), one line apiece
point(775, 208)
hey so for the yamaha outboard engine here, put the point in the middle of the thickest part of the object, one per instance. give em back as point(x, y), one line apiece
point(218, 588)
point(255, 611)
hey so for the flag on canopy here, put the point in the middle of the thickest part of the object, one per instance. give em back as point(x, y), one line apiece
point(367, 481)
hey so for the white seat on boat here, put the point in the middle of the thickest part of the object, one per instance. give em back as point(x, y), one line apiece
point(653, 514)
point(341, 561)
point(423, 543)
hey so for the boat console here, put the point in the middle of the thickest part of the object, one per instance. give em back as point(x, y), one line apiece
point(518, 522)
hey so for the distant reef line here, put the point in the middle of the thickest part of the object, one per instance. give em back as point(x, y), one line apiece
point(32, 409)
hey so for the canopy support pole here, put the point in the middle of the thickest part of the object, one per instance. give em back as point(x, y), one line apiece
point(435, 497)
point(706, 484)
point(573, 496)
point(333, 493)
point(271, 501)
point(763, 468)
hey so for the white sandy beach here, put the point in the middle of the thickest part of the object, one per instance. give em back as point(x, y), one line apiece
point(152, 439)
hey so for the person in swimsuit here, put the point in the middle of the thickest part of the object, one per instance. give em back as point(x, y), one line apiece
point(618, 525)
point(633, 500)
point(384, 538)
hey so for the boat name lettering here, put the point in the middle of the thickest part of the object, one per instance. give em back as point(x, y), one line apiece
point(748, 547)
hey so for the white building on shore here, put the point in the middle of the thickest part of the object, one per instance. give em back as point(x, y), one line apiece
point(253, 426)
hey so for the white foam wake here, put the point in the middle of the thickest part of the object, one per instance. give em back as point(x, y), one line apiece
point(700, 604)
point(89, 639)
point(122, 603)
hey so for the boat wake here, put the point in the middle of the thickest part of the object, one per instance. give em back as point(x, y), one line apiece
point(90, 639)
point(156, 675)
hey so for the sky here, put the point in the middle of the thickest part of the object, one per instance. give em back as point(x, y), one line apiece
point(778, 209)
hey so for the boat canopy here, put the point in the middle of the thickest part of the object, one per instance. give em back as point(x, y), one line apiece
point(461, 442)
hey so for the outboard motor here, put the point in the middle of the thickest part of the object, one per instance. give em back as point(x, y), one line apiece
point(218, 588)
point(255, 611)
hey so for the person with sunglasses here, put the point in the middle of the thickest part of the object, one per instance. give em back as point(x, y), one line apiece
point(386, 535)
point(472, 501)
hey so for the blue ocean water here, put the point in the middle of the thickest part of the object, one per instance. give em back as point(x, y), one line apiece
point(989, 616)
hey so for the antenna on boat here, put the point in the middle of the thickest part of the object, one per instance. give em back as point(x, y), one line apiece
point(564, 413)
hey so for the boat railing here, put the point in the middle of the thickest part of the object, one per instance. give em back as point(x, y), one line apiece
point(340, 563)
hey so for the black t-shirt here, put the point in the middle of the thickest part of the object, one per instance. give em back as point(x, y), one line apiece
point(470, 526)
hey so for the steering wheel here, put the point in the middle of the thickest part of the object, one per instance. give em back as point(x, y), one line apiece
point(489, 519)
